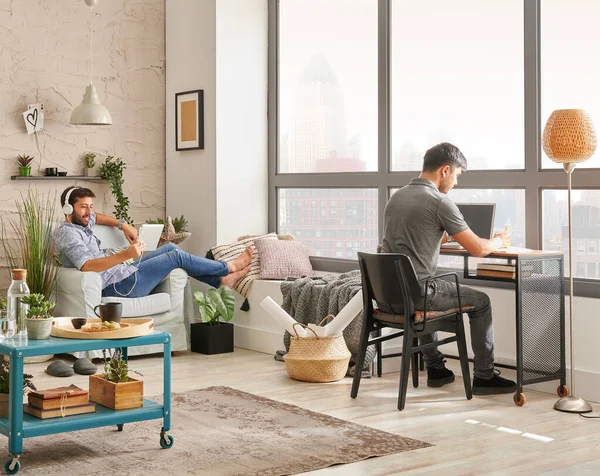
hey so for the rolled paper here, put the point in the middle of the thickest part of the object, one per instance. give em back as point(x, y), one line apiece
point(345, 316)
point(319, 330)
point(283, 318)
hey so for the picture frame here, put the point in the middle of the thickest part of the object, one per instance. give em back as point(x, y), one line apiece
point(189, 120)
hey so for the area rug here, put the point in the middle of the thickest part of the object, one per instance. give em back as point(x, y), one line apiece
point(218, 431)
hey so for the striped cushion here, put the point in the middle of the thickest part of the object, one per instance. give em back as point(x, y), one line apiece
point(233, 250)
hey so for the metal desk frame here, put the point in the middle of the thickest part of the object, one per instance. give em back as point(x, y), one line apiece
point(19, 425)
point(540, 320)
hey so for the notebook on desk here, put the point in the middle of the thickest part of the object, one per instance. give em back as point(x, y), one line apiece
point(515, 250)
point(452, 245)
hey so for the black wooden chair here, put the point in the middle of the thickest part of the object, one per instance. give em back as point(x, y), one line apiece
point(390, 280)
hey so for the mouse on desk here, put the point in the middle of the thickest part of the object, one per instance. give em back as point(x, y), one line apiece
point(452, 245)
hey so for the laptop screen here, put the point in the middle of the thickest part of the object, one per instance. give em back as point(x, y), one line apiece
point(479, 217)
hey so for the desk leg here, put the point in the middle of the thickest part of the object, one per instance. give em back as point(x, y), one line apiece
point(125, 353)
point(519, 397)
point(166, 441)
point(15, 409)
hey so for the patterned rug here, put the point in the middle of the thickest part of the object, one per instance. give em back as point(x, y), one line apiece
point(218, 431)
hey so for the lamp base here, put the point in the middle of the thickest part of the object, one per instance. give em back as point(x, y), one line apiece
point(572, 405)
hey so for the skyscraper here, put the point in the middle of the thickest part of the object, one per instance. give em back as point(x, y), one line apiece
point(319, 128)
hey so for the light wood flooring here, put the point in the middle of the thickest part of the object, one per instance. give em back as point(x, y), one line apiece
point(487, 435)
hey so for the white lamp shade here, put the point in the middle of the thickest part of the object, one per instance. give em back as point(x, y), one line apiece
point(91, 112)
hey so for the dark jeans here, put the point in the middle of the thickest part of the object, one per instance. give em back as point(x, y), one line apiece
point(156, 266)
point(442, 295)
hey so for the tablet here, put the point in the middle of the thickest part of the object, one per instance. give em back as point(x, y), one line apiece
point(150, 235)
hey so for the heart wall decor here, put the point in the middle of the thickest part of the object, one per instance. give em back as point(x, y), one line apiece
point(34, 118)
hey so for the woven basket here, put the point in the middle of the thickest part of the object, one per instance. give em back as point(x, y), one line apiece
point(317, 359)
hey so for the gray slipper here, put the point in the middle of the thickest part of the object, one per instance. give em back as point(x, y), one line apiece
point(84, 367)
point(59, 369)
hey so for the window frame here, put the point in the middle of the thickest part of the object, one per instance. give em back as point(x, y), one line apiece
point(533, 178)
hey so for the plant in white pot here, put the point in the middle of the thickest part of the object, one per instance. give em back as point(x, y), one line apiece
point(89, 164)
point(211, 336)
point(39, 320)
point(5, 387)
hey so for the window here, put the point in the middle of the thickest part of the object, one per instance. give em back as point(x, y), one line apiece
point(327, 86)
point(586, 227)
point(570, 37)
point(457, 76)
point(351, 235)
point(350, 76)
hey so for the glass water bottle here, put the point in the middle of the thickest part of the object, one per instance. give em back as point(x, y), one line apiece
point(17, 309)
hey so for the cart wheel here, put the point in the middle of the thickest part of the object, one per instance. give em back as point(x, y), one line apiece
point(519, 399)
point(119, 426)
point(166, 441)
point(562, 391)
point(12, 466)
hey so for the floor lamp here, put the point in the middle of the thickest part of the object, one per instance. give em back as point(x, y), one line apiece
point(569, 138)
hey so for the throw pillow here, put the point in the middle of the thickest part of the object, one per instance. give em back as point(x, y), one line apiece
point(280, 259)
point(231, 251)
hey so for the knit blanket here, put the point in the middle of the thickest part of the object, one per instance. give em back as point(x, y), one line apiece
point(310, 299)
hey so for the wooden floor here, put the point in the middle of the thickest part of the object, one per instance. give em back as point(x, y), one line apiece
point(487, 435)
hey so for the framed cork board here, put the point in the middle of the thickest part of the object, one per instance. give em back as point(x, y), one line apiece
point(189, 120)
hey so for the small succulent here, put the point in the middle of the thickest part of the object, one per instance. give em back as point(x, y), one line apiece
point(89, 160)
point(116, 369)
point(39, 308)
point(24, 160)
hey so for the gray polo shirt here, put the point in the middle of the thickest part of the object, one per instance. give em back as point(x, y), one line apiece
point(414, 221)
point(77, 244)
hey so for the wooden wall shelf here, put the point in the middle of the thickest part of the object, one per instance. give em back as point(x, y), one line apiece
point(57, 177)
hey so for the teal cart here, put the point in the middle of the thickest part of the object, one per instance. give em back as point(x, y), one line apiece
point(19, 425)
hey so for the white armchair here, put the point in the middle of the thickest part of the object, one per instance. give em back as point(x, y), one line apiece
point(168, 305)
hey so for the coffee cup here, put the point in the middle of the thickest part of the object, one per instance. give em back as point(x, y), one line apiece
point(51, 171)
point(111, 311)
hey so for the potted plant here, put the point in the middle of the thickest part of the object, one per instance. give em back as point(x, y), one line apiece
point(111, 170)
point(5, 387)
point(28, 241)
point(24, 165)
point(115, 388)
point(211, 336)
point(39, 320)
point(175, 230)
point(89, 163)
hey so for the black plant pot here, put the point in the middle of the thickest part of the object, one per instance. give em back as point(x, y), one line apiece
point(207, 339)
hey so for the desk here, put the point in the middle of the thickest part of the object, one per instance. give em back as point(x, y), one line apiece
point(19, 425)
point(540, 315)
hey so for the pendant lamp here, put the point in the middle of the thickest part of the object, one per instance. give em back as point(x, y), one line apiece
point(91, 112)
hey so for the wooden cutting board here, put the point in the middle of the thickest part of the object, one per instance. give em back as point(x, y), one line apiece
point(132, 327)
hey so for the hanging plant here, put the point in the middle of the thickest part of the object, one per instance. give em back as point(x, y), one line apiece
point(112, 171)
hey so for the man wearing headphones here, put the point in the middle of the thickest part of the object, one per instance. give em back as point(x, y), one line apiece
point(79, 248)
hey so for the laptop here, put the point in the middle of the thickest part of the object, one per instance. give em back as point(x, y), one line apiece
point(150, 235)
point(479, 217)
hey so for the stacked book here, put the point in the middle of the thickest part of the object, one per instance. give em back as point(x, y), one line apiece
point(506, 271)
point(58, 402)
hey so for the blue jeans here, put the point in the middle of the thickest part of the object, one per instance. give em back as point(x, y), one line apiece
point(156, 266)
point(442, 295)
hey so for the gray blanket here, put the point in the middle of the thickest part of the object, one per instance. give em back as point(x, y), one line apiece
point(311, 299)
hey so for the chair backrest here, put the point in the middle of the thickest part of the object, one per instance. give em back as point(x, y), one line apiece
point(383, 283)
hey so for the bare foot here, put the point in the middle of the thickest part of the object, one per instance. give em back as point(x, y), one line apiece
point(241, 261)
point(234, 277)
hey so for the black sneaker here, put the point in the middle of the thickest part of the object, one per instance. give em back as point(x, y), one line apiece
point(494, 386)
point(439, 377)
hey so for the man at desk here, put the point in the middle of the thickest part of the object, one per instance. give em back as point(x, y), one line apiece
point(415, 219)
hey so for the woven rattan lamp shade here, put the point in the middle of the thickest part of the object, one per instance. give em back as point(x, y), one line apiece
point(569, 136)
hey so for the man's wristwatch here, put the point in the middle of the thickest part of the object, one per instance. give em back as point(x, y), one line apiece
point(121, 223)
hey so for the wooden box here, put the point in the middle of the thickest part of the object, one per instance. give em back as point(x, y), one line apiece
point(117, 396)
